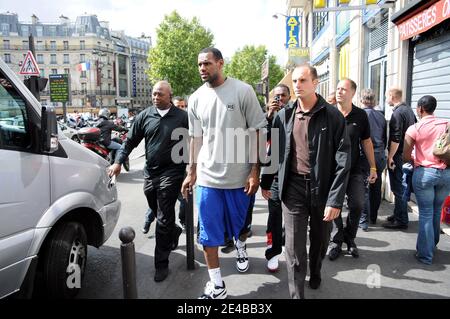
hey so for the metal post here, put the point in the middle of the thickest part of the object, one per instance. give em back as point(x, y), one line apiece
point(34, 85)
point(126, 236)
point(65, 112)
point(190, 256)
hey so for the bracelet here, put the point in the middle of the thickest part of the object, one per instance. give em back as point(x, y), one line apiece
point(373, 169)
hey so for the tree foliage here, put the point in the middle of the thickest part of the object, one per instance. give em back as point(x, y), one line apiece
point(246, 65)
point(174, 58)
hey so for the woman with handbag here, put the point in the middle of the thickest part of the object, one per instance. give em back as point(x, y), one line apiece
point(431, 177)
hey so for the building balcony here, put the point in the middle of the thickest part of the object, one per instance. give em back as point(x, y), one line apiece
point(85, 92)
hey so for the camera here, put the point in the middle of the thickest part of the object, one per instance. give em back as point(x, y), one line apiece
point(277, 98)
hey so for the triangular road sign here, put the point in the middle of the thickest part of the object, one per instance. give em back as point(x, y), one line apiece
point(29, 65)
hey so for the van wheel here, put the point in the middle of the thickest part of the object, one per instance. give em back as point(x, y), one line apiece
point(65, 261)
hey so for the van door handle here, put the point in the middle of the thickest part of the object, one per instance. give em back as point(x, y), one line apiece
point(112, 182)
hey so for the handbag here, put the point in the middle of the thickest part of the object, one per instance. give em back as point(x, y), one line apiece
point(441, 147)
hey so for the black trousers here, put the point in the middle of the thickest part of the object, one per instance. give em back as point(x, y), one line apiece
point(162, 193)
point(275, 222)
point(355, 200)
point(297, 212)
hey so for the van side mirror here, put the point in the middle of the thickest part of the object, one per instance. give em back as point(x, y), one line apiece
point(49, 130)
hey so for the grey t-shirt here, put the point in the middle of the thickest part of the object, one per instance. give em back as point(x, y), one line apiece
point(227, 117)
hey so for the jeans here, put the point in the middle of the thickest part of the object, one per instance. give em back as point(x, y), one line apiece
point(431, 187)
point(149, 216)
point(114, 147)
point(373, 193)
point(408, 188)
point(398, 188)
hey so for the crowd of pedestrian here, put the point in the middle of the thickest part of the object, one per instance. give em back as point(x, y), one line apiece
point(326, 153)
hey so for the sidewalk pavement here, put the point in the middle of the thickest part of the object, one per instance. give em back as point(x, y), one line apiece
point(386, 268)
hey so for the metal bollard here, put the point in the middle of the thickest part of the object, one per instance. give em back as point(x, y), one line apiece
point(190, 263)
point(127, 236)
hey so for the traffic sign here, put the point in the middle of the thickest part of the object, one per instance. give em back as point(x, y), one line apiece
point(29, 65)
point(265, 70)
point(59, 88)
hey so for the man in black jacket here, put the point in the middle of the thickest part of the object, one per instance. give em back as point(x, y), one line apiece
point(163, 174)
point(314, 163)
point(402, 118)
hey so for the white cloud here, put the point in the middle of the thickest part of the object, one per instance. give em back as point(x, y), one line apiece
point(234, 23)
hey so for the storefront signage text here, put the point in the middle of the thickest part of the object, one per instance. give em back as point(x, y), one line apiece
point(425, 20)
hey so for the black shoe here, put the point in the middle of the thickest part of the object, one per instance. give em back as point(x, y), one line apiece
point(335, 252)
point(354, 251)
point(229, 247)
point(146, 227)
point(390, 218)
point(395, 225)
point(176, 236)
point(314, 282)
point(161, 274)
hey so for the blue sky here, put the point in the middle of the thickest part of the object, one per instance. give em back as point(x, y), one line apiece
point(234, 23)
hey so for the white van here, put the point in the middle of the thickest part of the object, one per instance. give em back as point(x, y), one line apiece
point(55, 198)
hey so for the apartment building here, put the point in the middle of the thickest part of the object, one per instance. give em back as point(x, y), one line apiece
point(402, 43)
point(97, 59)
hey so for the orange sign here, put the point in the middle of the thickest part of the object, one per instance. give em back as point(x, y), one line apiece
point(425, 20)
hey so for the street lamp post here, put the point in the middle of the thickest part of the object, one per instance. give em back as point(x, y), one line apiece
point(99, 68)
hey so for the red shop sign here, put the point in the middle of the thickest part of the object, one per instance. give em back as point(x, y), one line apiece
point(425, 20)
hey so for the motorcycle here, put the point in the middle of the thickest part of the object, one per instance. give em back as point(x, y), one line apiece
point(90, 138)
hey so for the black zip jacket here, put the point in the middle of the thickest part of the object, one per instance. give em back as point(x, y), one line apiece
point(106, 126)
point(329, 149)
point(157, 132)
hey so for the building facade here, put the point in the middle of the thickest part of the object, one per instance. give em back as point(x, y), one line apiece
point(97, 59)
point(371, 47)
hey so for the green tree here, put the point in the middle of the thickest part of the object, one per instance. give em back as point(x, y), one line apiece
point(174, 58)
point(246, 64)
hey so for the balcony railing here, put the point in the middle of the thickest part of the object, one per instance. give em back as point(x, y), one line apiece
point(85, 92)
point(48, 47)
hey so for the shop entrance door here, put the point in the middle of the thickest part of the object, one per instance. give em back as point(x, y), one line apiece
point(377, 81)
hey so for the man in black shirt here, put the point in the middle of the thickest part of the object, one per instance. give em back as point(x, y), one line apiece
point(358, 130)
point(402, 118)
point(163, 174)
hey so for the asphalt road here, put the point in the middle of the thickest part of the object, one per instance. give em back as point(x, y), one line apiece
point(386, 267)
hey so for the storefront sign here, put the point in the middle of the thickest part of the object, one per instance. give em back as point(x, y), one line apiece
point(292, 32)
point(425, 20)
point(298, 56)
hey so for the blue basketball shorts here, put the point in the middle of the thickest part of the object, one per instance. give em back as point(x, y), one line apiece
point(220, 212)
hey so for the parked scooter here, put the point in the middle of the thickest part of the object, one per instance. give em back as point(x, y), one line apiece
point(90, 138)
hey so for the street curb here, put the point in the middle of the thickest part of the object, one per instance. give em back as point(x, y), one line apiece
point(415, 209)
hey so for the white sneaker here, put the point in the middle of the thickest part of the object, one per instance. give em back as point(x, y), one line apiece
point(214, 292)
point(242, 259)
point(272, 264)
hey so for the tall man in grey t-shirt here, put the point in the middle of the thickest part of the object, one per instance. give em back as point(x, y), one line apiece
point(222, 113)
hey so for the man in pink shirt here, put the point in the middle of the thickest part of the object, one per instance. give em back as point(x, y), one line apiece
point(431, 177)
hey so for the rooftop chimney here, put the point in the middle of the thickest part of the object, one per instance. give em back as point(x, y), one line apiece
point(63, 19)
point(34, 19)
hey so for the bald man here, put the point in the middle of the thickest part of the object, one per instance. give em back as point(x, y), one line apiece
point(163, 174)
